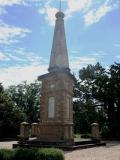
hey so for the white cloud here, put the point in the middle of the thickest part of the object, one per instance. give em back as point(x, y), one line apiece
point(32, 66)
point(78, 62)
point(22, 55)
point(77, 6)
point(33, 59)
point(118, 57)
point(16, 58)
point(50, 17)
point(19, 51)
point(2, 11)
point(11, 2)
point(49, 14)
point(94, 16)
point(73, 6)
point(11, 34)
point(98, 54)
point(15, 75)
point(91, 10)
point(3, 57)
point(42, 10)
point(75, 51)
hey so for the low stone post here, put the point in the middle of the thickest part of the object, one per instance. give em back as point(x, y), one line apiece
point(34, 129)
point(24, 131)
point(95, 131)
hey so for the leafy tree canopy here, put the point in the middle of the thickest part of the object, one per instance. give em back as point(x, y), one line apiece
point(10, 115)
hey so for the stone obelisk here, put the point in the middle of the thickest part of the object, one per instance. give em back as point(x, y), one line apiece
point(56, 110)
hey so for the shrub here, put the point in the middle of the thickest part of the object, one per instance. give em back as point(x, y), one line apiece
point(32, 154)
point(25, 154)
point(49, 154)
point(77, 136)
point(6, 154)
point(87, 135)
point(105, 131)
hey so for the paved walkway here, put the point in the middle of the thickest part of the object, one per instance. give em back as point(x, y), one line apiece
point(109, 152)
point(7, 145)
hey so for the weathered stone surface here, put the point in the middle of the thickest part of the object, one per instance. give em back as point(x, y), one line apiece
point(59, 55)
point(24, 130)
point(59, 86)
point(34, 129)
point(56, 112)
point(95, 131)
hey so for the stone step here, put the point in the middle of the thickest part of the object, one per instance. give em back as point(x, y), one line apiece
point(67, 148)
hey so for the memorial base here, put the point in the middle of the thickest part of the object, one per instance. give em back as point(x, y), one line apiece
point(36, 143)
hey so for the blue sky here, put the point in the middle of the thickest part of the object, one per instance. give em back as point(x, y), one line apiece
point(26, 32)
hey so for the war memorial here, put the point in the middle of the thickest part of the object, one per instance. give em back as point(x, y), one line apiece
point(55, 128)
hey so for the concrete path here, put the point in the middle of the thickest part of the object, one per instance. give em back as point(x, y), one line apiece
point(109, 152)
point(7, 145)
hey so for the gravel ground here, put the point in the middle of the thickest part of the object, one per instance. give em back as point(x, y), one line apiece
point(109, 152)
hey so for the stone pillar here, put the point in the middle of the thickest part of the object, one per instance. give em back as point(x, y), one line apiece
point(34, 129)
point(95, 131)
point(24, 130)
point(56, 108)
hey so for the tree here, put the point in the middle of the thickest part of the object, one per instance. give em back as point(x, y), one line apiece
point(87, 108)
point(101, 88)
point(10, 116)
point(27, 98)
point(107, 91)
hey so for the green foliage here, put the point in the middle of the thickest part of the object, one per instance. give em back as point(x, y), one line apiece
point(107, 91)
point(50, 154)
point(97, 94)
point(83, 117)
point(6, 154)
point(105, 131)
point(87, 135)
point(17, 104)
point(77, 136)
point(32, 154)
point(27, 98)
point(10, 115)
point(25, 154)
point(98, 99)
point(85, 106)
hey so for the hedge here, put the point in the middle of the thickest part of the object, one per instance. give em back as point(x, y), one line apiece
point(6, 154)
point(32, 154)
